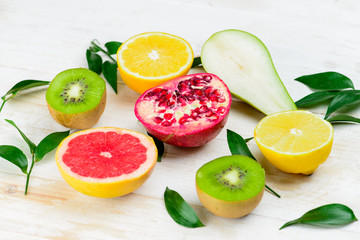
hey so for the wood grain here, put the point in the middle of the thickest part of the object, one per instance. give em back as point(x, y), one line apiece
point(38, 39)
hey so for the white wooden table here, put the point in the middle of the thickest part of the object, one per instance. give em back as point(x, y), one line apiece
point(38, 39)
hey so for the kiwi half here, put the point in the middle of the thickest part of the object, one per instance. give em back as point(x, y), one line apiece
point(230, 186)
point(76, 98)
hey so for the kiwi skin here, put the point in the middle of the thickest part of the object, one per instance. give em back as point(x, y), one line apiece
point(228, 209)
point(81, 120)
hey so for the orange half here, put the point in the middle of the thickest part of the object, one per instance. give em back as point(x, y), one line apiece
point(150, 59)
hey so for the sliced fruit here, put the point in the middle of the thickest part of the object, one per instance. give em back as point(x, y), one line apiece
point(245, 65)
point(295, 141)
point(150, 59)
point(230, 186)
point(76, 98)
point(187, 111)
point(106, 162)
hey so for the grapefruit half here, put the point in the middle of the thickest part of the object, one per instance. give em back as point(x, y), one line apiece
point(106, 162)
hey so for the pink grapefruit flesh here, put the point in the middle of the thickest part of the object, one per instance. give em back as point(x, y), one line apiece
point(106, 162)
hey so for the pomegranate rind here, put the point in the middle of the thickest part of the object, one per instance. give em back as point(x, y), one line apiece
point(199, 133)
point(111, 186)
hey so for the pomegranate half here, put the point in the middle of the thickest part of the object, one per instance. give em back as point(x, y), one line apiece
point(188, 111)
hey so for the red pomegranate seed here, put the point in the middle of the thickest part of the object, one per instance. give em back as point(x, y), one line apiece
point(149, 95)
point(162, 103)
point(155, 91)
point(221, 99)
point(163, 92)
point(182, 101)
point(166, 123)
point(161, 111)
point(221, 110)
point(208, 78)
point(202, 99)
point(168, 96)
point(157, 120)
point(182, 86)
point(168, 116)
point(203, 109)
point(198, 92)
point(171, 104)
point(183, 119)
point(207, 90)
point(189, 82)
point(190, 98)
point(194, 115)
point(209, 114)
point(214, 117)
point(213, 98)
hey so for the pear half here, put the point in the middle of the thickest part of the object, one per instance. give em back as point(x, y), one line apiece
point(243, 62)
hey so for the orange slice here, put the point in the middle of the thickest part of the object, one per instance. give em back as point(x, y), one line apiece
point(150, 59)
point(106, 162)
point(295, 141)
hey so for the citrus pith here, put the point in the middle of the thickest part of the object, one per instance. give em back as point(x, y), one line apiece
point(106, 162)
point(294, 141)
point(150, 59)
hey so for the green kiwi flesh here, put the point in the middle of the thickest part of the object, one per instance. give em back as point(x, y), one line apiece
point(75, 91)
point(231, 178)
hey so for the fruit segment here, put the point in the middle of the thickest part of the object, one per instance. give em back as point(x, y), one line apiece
point(294, 141)
point(106, 162)
point(104, 154)
point(230, 186)
point(76, 98)
point(245, 65)
point(150, 59)
point(188, 111)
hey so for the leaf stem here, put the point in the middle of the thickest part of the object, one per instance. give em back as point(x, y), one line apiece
point(4, 101)
point(101, 49)
point(28, 175)
point(2, 105)
point(272, 191)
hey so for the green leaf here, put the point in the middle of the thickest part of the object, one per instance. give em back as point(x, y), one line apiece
point(343, 118)
point(316, 97)
point(94, 61)
point(110, 73)
point(15, 156)
point(237, 144)
point(23, 85)
point(49, 143)
point(112, 47)
point(326, 81)
point(159, 145)
point(196, 62)
point(31, 145)
point(331, 215)
point(343, 99)
point(180, 211)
